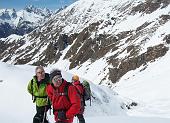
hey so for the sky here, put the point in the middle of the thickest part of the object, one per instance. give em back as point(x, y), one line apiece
point(20, 4)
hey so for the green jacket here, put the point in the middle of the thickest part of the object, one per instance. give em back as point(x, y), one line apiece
point(39, 92)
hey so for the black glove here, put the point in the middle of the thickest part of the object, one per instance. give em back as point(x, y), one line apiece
point(48, 107)
point(62, 115)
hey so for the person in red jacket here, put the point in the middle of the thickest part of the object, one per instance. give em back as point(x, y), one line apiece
point(64, 98)
point(80, 90)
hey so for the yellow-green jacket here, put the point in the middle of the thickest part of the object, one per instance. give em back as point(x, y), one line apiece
point(39, 92)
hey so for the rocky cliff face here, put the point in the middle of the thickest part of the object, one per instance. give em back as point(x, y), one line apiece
point(126, 35)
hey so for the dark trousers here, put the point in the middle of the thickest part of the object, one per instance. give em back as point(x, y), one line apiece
point(40, 115)
point(81, 118)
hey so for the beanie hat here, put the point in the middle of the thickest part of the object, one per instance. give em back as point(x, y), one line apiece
point(75, 78)
point(55, 72)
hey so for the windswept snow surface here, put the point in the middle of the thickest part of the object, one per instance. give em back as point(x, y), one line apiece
point(126, 119)
point(17, 107)
point(150, 88)
point(16, 104)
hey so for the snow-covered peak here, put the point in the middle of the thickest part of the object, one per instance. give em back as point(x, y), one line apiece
point(38, 11)
point(84, 12)
point(30, 14)
point(24, 15)
point(22, 21)
point(7, 14)
point(106, 41)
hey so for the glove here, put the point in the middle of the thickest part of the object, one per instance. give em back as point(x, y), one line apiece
point(62, 115)
point(48, 107)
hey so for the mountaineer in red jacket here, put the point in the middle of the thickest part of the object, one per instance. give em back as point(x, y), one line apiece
point(80, 90)
point(64, 98)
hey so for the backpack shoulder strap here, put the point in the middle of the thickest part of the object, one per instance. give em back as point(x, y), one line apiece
point(65, 93)
point(66, 90)
point(32, 90)
point(32, 85)
point(83, 103)
point(79, 92)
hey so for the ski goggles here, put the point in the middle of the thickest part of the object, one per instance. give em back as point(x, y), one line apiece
point(57, 79)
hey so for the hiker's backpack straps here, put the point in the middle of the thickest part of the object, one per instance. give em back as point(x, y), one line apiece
point(32, 90)
point(65, 93)
point(33, 96)
point(81, 94)
point(66, 90)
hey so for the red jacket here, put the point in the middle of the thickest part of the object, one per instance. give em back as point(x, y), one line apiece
point(79, 87)
point(80, 90)
point(71, 105)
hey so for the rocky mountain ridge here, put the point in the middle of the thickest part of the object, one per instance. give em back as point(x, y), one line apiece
point(23, 21)
point(121, 35)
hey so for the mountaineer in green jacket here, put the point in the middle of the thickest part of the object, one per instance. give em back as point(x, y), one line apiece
point(37, 88)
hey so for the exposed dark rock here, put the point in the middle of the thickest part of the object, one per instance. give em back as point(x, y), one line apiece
point(24, 28)
point(143, 26)
point(167, 39)
point(91, 49)
point(51, 56)
point(6, 30)
point(132, 63)
point(9, 49)
point(3, 46)
point(52, 53)
point(150, 6)
point(164, 19)
point(123, 35)
point(132, 104)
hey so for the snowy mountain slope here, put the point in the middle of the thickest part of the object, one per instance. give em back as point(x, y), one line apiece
point(149, 88)
point(16, 100)
point(123, 41)
point(83, 13)
point(106, 42)
point(120, 119)
point(22, 21)
point(120, 35)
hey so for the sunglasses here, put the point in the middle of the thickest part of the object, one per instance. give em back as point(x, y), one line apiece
point(57, 79)
point(40, 72)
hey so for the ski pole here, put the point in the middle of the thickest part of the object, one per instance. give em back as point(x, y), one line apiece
point(90, 101)
point(48, 100)
point(44, 114)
